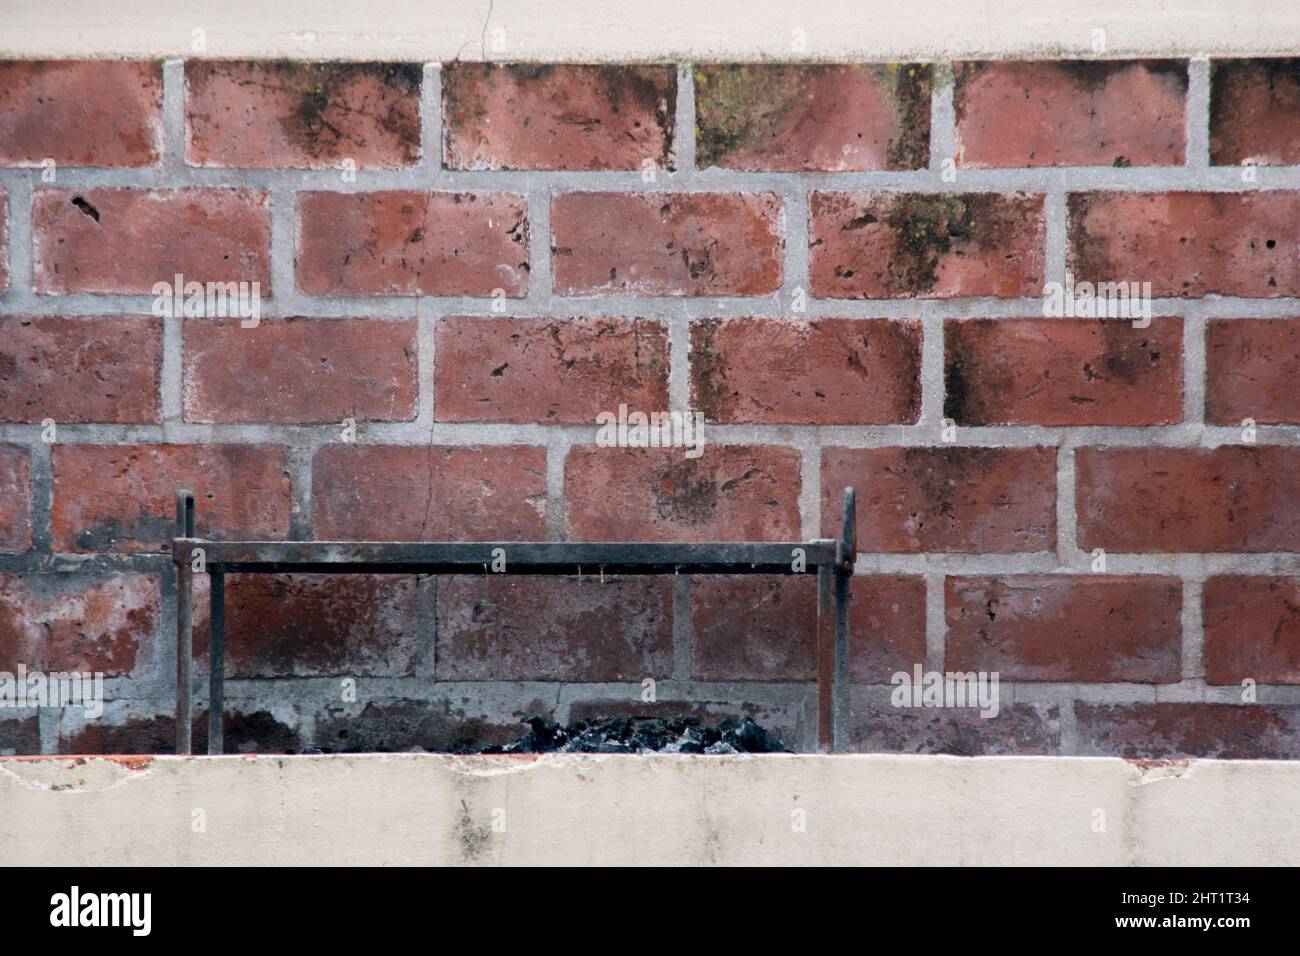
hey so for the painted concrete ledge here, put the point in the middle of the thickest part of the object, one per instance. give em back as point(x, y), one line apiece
point(690, 30)
point(653, 810)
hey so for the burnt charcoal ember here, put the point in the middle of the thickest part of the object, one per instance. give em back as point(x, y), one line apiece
point(626, 735)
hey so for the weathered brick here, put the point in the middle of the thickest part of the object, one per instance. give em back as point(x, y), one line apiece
point(667, 243)
point(820, 372)
point(412, 243)
point(752, 627)
point(1255, 112)
point(268, 115)
point(1252, 629)
point(429, 493)
point(300, 371)
point(463, 723)
point(1232, 498)
point(550, 371)
point(1156, 731)
point(19, 734)
point(314, 625)
point(15, 498)
point(892, 245)
point(951, 499)
point(127, 240)
point(255, 732)
point(729, 493)
point(875, 726)
point(827, 118)
point(1252, 370)
point(80, 369)
point(1053, 371)
point(80, 112)
point(1064, 628)
point(558, 116)
point(1071, 113)
point(123, 497)
point(79, 622)
point(1188, 244)
point(554, 629)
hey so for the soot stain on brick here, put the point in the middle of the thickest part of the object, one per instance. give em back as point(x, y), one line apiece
point(322, 90)
point(709, 371)
point(106, 535)
point(1231, 82)
point(926, 227)
point(910, 147)
point(682, 494)
point(743, 106)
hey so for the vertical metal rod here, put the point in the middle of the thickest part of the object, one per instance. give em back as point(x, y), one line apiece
point(217, 660)
point(184, 623)
point(826, 632)
point(848, 547)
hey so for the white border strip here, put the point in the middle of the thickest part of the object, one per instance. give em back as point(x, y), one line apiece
point(634, 30)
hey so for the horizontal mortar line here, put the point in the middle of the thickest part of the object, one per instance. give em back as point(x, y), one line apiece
point(420, 178)
point(850, 437)
point(1191, 566)
point(23, 302)
point(795, 435)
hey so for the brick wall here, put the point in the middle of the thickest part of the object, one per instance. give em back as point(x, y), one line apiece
point(842, 267)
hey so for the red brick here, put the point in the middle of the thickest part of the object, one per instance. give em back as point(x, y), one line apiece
point(80, 369)
point(569, 116)
point(827, 118)
point(75, 622)
point(729, 493)
point(20, 735)
point(1053, 371)
point(15, 498)
point(314, 625)
point(875, 726)
point(1232, 498)
point(300, 371)
point(1252, 629)
point(1154, 731)
point(1188, 244)
point(1252, 367)
point(302, 115)
point(463, 724)
point(893, 245)
point(123, 497)
point(126, 240)
point(1069, 629)
point(819, 372)
point(1071, 113)
point(667, 243)
point(1255, 112)
point(412, 243)
point(948, 499)
point(550, 371)
point(752, 627)
point(429, 493)
point(256, 732)
point(554, 629)
point(80, 113)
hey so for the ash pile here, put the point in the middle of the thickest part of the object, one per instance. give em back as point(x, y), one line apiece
point(631, 735)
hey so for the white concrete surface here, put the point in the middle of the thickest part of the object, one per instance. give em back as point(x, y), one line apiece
point(664, 810)
point(692, 30)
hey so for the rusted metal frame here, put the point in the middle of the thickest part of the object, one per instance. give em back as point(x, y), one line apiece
point(831, 560)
